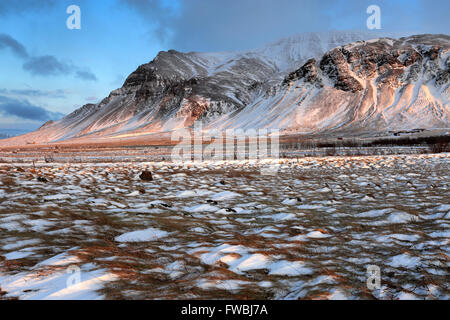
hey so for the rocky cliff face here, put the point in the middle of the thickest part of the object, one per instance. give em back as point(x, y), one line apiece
point(307, 83)
point(397, 84)
point(387, 62)
point(375, 85)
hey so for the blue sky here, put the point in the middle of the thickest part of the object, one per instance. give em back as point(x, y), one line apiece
point(48, 70)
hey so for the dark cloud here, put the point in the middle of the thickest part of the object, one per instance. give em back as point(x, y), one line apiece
point(92, 99)
point(154, 11)
point(16, 47)
point(226, 25)
point(86, 75)
point(47, 66)
point(19, 6)
point(25, 110)
point(210, 25)
point(244, 24)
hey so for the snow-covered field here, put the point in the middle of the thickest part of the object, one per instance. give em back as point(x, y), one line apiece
point(235, 229)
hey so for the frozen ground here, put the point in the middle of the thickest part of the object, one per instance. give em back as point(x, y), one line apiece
point(225, 230)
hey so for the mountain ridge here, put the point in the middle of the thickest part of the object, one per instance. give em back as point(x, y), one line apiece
point(280, 86)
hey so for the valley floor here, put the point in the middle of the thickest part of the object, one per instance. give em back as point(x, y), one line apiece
point(289, 229)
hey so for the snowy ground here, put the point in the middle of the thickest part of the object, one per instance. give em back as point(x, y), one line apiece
point(224, 230)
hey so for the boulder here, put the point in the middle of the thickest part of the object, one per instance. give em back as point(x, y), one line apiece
point(146, 176)
point(42, 179)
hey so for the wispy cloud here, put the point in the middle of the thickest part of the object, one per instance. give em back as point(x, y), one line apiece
point(7, 42)
point(46, 65)
point(92, 99)
point(25, 110)
point(86, 75)
point(59, 93)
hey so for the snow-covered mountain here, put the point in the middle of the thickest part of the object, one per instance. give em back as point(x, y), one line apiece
point(307, 83)
point(375, 85)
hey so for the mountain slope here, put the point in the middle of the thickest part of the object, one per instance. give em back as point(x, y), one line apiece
point(376, 85)
point(347, 84)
